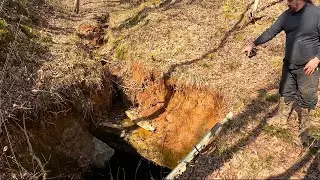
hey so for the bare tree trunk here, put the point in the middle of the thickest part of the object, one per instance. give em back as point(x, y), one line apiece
point(76, 6)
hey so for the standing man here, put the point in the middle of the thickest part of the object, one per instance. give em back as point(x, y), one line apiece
point(300, 75)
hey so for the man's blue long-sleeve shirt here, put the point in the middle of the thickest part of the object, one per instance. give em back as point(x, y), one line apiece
point(302, 30)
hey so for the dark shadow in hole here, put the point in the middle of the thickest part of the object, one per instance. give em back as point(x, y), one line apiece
point(127, 166)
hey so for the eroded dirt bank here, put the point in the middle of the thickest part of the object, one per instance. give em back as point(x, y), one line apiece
point(181, 115)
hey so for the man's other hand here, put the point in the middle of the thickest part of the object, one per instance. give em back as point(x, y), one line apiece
point(248, 49)
point(311, 66)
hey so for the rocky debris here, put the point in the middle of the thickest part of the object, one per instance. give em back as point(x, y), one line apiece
point(101, 153)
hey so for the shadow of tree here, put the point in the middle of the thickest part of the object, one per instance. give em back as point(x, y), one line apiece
point(142, 14)
point(313, 171)
point(307, 157)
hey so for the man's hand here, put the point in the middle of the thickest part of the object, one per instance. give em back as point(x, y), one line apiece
point(311, 66)
point(248, 49)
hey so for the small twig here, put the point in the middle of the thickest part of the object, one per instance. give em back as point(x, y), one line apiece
point(118, 172)
point(54, 93)
point(43, 171)
point(11, 148)
point(6, 159)
point(62, 111)
point(124, 173)
point(110, 170)
point(135, 175)
point(126, 87)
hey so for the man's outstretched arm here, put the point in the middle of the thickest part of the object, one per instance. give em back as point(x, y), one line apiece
point(267, 35)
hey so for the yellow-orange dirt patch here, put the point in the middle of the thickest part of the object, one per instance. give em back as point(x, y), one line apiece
point(182, 116)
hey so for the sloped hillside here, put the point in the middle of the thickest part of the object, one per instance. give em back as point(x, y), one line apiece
point(120, 68)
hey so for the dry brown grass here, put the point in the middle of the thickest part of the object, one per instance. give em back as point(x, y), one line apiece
point(30, 56)
point(195, 43)
point(20, 54)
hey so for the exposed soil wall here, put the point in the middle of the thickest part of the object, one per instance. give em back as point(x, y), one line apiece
point(181, 116)
point(72, 93)
point(60, 137)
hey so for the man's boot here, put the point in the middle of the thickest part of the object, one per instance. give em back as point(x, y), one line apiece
point(285, 109)
point(309, 128)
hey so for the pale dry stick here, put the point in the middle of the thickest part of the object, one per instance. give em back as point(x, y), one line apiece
point(126, 87)
point(124, 173)
point(110, 170)
point(76, 6)
point(118, 172)
point(139, 163)
point(34, 168)
point(254, 9)
point(6, 156)
point(255, 5)
point(43, 171)
point(11, 149)
point(56, 113)
point(51, 93)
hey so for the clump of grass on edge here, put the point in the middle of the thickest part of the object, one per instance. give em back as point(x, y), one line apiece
point(3, 23)
point(46, 39)
point(272, 97)
point(120, 52)
point(4, 31)
point(278, 132)
point(28, 31)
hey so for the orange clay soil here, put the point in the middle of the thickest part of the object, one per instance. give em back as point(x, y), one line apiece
point(181, 115)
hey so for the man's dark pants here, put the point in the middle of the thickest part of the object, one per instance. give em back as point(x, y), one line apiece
point(296, 86)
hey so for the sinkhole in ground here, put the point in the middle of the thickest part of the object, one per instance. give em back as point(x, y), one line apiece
point(123, 165)
point(181, 117)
